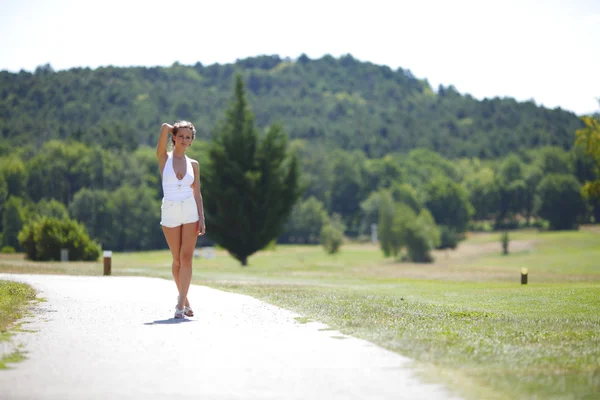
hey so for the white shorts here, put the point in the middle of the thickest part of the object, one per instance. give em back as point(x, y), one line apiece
point(178, 212)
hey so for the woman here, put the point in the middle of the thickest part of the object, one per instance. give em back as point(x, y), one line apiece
point(182, 212)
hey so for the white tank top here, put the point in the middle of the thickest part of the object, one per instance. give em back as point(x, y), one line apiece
point(177, 189)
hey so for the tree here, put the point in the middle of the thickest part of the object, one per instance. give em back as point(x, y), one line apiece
point(95, 210)
point(385, 229)
point(483, 193)
point(51, 208)
point(14, 173)
point(589, 138)
point(347, 185)
point(449, 203)
point(12, 222)
point(305, 222)
point(406, 194)
point(3, 198)
point(554, 160)
point(559, 200)
point(135, 215)
point(251, 182)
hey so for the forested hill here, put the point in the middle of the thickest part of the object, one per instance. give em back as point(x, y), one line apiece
point(341, 103)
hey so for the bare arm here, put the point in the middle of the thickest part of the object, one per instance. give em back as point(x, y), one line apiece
point(161, 147)
point(201, 229)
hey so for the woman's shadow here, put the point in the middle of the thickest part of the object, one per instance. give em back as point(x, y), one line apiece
point(170, 321)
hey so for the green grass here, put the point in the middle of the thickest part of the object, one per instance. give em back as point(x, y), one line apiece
point(465, 319)
point(13, 300)
point(14, 297)
point(11, 358)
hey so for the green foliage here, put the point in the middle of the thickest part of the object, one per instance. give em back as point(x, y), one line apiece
point(400, 226)
point(337, 103)
point(12, 222)
point(505, 242)
point(554, 160)
point(388, 241)
point(332, 235)
point(134, 217)
point(421, 237)
point(305, 222)
point(3, 197)
point(347, 185)
point(7, 250)
point(483, 192)
point(559, 200)
point(12, 170)
point(51, 208)
point(43, 239)
point(370, 212)
point(589, 138)
point(251, 182)
point(449, 238)
point(406, 194)
point(95, 209)
point(449, 203)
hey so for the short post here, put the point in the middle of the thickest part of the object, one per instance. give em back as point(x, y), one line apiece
point(64, 255)
point(107, 262)
point(523, 276)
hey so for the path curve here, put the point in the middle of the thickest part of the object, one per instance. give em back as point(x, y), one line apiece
point(114, 338)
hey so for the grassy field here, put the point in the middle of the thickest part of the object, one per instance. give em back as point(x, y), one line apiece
point(465, 319)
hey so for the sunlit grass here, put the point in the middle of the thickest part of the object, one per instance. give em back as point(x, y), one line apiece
point(466, 318)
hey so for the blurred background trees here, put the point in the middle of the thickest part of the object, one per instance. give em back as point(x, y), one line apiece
point(78, 144)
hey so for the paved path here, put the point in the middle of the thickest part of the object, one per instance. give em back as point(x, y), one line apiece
point(115, 338)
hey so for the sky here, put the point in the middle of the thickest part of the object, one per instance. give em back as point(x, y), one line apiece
point(542, 50)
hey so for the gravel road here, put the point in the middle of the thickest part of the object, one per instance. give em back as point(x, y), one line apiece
point(115, 338)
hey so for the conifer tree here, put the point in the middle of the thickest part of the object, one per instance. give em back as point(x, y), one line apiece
point(250, 183)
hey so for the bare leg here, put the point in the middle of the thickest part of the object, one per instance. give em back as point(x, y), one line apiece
point(188, 244)
point(173, 236)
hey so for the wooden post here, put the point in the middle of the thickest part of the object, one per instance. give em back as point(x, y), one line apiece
point(523, 276)
point(107, 262)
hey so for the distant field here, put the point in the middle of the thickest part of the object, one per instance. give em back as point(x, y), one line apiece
point(465, 319)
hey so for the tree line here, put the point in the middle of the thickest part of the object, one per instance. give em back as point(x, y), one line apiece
point(116, 193)
point(420, 199)
point(336, 103)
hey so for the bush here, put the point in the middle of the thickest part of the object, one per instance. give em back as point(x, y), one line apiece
point(44, 238)
point(332, 235)
point(7, 250)
point(422, 236)
point(449, 238)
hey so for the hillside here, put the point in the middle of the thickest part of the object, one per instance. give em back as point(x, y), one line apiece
point(342, 103)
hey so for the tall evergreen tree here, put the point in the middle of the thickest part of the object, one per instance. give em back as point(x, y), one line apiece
point(251, 182)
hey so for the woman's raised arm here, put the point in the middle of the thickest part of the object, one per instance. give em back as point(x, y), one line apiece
point(161, 147)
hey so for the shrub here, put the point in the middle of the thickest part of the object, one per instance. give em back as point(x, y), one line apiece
point(7, 250)
point(43, 239)
point(332, 235)
point(422, 236)
point(449, 238)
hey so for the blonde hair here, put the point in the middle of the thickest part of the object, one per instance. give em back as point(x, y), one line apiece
point(182, 125)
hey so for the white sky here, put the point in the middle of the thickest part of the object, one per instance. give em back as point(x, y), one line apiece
point(546, 50)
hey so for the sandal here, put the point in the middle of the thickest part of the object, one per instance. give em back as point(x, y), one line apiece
point(179, 313)
point(188, 311)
